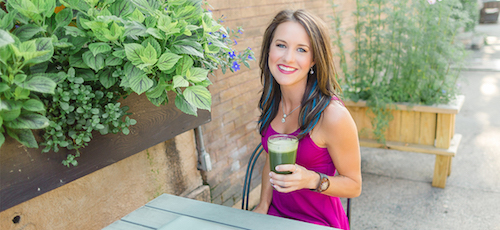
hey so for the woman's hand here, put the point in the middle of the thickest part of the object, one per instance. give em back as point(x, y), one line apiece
point(299, 179)
point(261, 209)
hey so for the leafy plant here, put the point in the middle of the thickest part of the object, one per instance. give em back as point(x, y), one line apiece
point(76, 109)
point(404, 51)
point(20, 108)
point(88, 54)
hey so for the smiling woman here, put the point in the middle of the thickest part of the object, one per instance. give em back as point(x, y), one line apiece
point(298, 75)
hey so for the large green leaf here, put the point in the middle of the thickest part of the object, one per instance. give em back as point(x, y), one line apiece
point(86, 74)
point(75, 32)
point(148, 55)
point(186, 49)
point(156, 91)
point(4, 87)
point(106, 78)
point(43, 44)
point(121, 8)
point(133, 52)
point(2, 139)
point(197, 74)
point(156, 33)
point(33, 105)
point(27, 8)
point(64, 17)
point(39, 84)
point(179, 81)
point(141, 83)
point(5, 38)
point(145, 5)
point(56, 77)
point(198, 96)
point(182, 104)
point(135, 30)
point(24, 136)
point(99, 47)
point(26, 32)
point(76, 4)
point(136, 16)
point(10, 115)
point(113, 61)
point(154, 43)
point(185, 63)
point(28, 121)
point(77, 61)
point(94, 62)
point(167, 61)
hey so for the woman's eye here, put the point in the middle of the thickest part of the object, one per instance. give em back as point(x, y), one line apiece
point(301, 50)
point(280, 46)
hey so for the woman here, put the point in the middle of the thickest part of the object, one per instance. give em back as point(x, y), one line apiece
point(299, 98)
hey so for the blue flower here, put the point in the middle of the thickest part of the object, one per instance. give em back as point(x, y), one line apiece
point(250, 57)
point(232, 55)
point(239, 31)
point(235, 42)
point(224, 36)
point(235, 66)
point(249, 48)
point(210, 43)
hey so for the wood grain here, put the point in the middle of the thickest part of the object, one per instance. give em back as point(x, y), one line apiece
point(27, 173)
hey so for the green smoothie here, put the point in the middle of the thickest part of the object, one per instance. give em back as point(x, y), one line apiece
point(282, 150)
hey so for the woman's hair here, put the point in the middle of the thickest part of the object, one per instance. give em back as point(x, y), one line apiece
point(321, 85)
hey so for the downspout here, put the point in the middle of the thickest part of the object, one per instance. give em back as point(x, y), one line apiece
point(204, 162)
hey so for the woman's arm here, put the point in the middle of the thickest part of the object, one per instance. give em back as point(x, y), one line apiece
point(266, 192)
point(340, 136)
point(338, 133)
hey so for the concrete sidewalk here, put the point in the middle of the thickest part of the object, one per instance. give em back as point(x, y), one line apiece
point(397, 191)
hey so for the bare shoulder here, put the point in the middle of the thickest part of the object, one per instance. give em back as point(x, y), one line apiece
point(335, 114)
point(335, 123)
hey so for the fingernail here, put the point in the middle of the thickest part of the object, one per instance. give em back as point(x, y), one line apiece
point(269, 174)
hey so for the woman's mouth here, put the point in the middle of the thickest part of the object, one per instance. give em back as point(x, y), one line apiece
point(286, 69)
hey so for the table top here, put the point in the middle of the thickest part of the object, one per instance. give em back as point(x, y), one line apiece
point(174, 212)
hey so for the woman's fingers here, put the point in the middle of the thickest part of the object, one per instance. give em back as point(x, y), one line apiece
point(287, 168)
point(286, 182)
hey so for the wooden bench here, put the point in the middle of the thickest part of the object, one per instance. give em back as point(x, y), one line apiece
point(423, 129)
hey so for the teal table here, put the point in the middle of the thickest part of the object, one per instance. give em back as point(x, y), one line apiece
point(177, 213)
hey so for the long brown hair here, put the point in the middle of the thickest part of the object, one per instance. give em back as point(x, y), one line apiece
point(321, 85)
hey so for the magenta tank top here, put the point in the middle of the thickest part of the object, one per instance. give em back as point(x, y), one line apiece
point(304, 204)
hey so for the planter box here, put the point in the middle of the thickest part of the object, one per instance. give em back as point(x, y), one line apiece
point(26, 173)
point(424, 129)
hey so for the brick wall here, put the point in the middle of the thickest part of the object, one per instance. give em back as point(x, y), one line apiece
point(232, 134)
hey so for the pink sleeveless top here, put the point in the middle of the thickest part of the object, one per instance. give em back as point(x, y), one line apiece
point(304, 204)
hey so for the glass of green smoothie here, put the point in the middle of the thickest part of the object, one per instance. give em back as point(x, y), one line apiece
point(282, 150)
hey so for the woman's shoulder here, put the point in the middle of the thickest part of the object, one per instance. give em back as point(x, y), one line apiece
point(336, 112)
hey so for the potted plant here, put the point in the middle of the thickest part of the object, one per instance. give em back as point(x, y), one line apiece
point(401, 84)
point(66, 64)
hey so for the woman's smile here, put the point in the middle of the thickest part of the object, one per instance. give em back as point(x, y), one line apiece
point(286, 69)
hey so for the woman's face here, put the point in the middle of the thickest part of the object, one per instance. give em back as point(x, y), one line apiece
point(290, 54)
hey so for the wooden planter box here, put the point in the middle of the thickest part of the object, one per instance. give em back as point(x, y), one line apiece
point(424, 129)
point(26, 173)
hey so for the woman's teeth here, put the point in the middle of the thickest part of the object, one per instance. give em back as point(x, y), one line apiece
point(286, 68)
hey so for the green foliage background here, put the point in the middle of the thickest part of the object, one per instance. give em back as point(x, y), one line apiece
point(66, 63)
point(404, 52)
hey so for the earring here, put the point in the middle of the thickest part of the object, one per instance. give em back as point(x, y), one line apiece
point(312, 71)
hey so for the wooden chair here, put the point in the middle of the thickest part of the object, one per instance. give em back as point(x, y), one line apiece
point(248, 180)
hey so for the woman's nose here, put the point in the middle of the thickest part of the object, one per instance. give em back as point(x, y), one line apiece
point(289, 56)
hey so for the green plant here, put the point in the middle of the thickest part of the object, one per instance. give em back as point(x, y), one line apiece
point(21, 110)
point(404, 51)
point(97, 51)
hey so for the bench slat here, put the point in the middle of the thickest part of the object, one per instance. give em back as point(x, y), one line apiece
point(451, 151)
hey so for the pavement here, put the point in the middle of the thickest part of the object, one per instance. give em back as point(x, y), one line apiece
point(397, 191)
